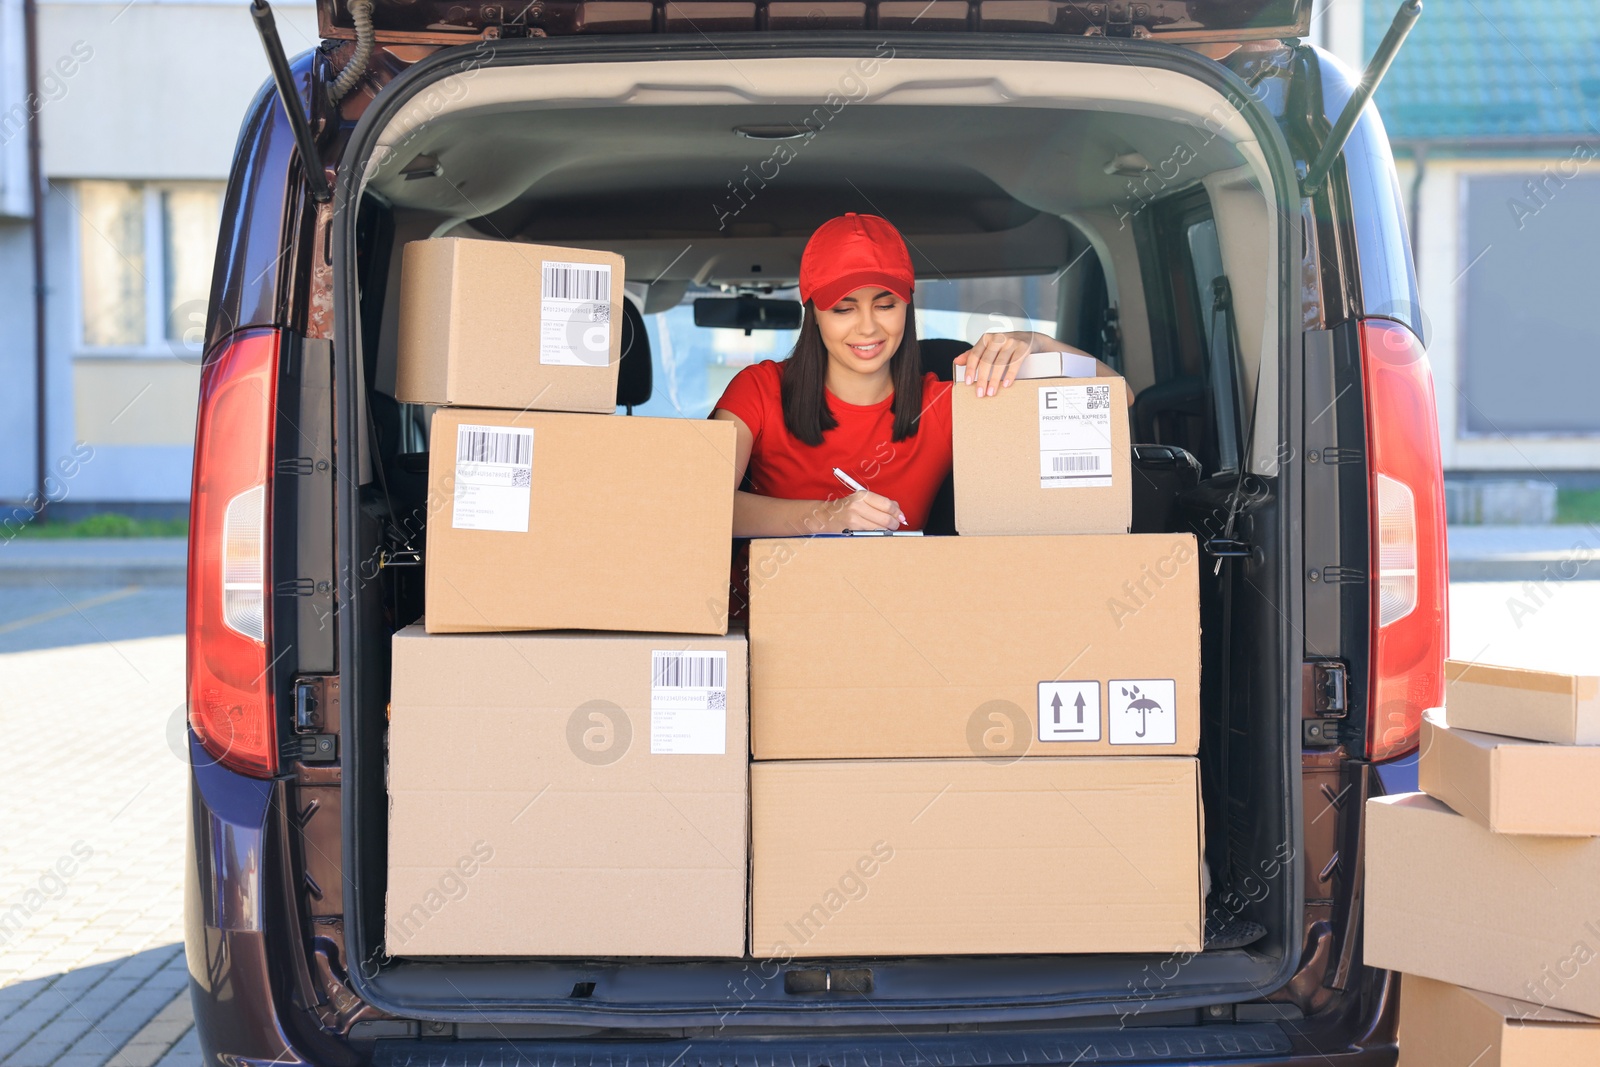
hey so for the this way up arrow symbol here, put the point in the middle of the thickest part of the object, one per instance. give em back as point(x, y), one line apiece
point(1079, 703)
point(1055, 704)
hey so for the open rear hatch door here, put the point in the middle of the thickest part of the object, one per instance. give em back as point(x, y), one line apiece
point(448, 22)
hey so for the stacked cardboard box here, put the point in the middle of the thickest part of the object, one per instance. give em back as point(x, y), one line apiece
point(983, 744)
point(580, 791)
point(1487, 883)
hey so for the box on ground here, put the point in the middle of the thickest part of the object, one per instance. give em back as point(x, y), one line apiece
point(564, 794)
point(504, 324)
point(919, 857)
point(1044, 456)
point(965, 646)
point(1514, 702)
point(541, 520)
point(1509, 785)
point(1507, 914)
point(1445, 1025)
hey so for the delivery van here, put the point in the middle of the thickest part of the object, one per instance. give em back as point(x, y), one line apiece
point(1176, 187)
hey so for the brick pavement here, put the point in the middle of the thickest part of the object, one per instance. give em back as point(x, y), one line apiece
point(91, 962)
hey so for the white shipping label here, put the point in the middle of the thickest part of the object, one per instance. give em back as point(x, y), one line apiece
point(494, 478)
point(688, 703)
point(1144, 711)
point(1074, 436)
point(575, 314)
point(1069, 711)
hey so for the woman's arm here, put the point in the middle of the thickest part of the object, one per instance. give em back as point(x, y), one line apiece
point(755, 515)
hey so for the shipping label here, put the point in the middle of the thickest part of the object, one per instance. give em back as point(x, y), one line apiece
point(575, 314)
point(688, 703)
point(494, 478)
point(1074, 436)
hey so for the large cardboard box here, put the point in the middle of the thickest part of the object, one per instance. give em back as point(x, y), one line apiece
point(1536, 705)
point(567, 794)
point(1505, 913)
point(1509, 785)
point(961, 646)
point(503, 324)
point(937, 857)
point(1044, 456)
point(1444, 1025)
point(540, 520)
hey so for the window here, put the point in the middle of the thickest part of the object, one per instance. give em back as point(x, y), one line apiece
point(144, 265)
point(1529, 339)
point(693, 365)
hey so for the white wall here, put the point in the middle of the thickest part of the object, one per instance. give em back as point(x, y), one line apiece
point(156, 88)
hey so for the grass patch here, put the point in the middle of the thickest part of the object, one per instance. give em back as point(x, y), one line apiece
point(109, 524)
point(1578, 505)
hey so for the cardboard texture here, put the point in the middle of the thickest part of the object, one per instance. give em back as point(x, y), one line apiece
point(547, 799)
point(540, 520)
point(1535, 705)
point(1045, 456)
point(1508, 914)
point(1509, 785)
point(484, 324)
point(918, 857)
point(958, 646)
point(1444, 1025)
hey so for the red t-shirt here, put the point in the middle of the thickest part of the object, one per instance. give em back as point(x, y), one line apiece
point(862, 445)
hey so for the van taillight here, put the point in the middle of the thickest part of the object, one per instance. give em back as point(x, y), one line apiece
point(1410, 569)
point(230, 693)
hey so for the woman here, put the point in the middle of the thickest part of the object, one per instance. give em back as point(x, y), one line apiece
point(852, 395)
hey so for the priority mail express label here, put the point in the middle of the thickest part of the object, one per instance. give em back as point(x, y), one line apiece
point(688, 703)
point(494, 478)
point(1074, 436)
point(575, 314)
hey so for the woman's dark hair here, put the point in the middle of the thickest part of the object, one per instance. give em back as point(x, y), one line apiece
point(805, 372)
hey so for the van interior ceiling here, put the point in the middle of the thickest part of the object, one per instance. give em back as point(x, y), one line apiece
point(706, 179)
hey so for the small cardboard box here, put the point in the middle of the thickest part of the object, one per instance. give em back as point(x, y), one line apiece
point(503, 324)
point(1513, 702)
point(939, 857)
point(1509, 785)
point(544, 521)
point(1044, 456)
point(1444, 1025)
point(1503, 913)
point(962, 646)
point(564, 794)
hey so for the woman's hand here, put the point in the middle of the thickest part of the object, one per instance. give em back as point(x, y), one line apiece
point(993, 362)
point(864, 511)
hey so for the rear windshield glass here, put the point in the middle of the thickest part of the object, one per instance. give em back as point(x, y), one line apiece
point(693, 364)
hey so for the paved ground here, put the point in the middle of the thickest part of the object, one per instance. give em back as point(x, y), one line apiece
point(91, 694)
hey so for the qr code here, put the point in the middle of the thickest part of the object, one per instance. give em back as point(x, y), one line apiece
point(599, 312)
point(1099, 397)
point(522, 478)
point(717, 700)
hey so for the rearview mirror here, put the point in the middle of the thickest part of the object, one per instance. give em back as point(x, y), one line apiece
point(746, 313)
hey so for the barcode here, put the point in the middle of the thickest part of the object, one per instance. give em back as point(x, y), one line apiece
point(1064, 464)
point(1099, 397)
point(689, 670)
point(476, 444)
point(564, 281)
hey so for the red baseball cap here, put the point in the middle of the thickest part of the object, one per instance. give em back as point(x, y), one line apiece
point(850, 251)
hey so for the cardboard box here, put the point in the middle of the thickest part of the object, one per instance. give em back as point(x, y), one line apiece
point(503, 324)
point(963, 646)
point(938, 857)
point(567, 794)
point(1509, 785)
point(540, 520)
point(1507, 914)
point(1444, 1025)
point(1045, 456)
point(1536, 705)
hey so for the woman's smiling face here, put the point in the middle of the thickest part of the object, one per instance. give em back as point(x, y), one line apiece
point(863, 330)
